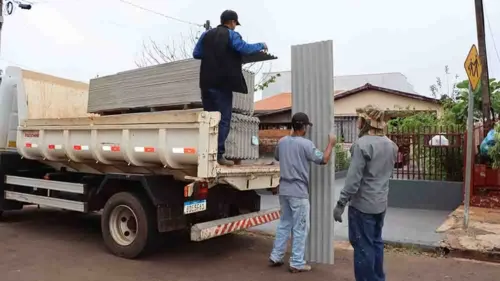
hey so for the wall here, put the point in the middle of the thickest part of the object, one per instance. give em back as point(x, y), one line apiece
point(348, 105)
point(280, 117)
point(54, 97)
point(420, 194)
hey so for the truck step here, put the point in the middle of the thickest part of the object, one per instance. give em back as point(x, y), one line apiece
point(46, 201)
point(211, 229)
point(77, 188)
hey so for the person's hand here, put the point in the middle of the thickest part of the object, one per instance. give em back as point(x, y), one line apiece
point(337, 212)
point(275, 190)
point(332, 139)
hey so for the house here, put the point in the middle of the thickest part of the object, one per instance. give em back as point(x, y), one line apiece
point(275, 111)
point(389, 80)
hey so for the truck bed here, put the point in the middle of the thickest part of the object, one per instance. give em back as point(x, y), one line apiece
point(182, 143)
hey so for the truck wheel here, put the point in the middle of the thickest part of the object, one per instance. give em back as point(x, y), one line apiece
point(128, 225)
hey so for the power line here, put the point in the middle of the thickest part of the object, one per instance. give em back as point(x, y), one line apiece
point(160, 14)
point(131, 4)
point(492, 36)
point(105, 21)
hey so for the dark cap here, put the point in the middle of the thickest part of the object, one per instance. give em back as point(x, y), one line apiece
point(301, 118)
point(229, 15)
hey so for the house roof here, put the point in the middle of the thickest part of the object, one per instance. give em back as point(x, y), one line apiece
point(277, 102)
point(389, 80)
point(369, 86)
point(280, 101)
point(283, 101)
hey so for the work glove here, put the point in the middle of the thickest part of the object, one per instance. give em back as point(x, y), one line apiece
point(338, 211)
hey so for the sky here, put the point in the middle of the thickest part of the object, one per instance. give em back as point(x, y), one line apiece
point(79, 39)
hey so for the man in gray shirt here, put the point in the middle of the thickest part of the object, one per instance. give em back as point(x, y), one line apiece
point(295, 153)
point(366, 189)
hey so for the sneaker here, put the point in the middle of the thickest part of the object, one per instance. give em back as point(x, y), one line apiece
point(306, 268)
point(275, 263)
point(224, 162)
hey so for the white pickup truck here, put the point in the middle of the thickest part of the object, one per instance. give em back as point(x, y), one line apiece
point(148, 172)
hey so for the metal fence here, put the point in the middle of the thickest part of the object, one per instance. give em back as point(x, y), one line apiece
point(429, 153)
point(269, 140)
point(346, 128)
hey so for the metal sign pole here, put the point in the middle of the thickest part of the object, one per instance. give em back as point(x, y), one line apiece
point(469, 156)
point(474, 70)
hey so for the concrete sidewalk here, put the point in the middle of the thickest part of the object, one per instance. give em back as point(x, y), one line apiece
point(481, 240)
point(409, 227)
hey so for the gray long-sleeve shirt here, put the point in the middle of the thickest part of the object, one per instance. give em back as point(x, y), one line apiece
point(367, 181)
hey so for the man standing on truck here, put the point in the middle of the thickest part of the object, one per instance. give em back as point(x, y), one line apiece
point(294, 154)
point(366, 189)
point(221, 50)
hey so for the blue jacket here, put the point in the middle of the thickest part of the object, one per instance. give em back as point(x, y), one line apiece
point(237, 43)
point(221, 50)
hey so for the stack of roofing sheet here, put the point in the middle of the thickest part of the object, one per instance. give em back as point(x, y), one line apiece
point(244, 103)
point(169, 84)
point(243, 140)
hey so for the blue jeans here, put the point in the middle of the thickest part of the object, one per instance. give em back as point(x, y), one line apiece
point(221, 101)
point(365, 235)
point(294, 220)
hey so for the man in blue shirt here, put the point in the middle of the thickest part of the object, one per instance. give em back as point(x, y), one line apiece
point(295, 153)
point(221, 50)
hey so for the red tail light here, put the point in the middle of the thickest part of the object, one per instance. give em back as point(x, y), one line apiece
point(203, 190)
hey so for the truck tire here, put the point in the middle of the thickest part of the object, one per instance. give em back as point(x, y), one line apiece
point(128, 225)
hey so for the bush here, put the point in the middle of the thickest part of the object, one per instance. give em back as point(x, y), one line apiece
point(342, 158)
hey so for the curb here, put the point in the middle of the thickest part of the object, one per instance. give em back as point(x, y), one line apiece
point(414, 245)
point(394, 244)
point(438, 250)
point(493, 256)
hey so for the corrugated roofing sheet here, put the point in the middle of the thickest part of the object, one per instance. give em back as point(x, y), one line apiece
point(312, 87)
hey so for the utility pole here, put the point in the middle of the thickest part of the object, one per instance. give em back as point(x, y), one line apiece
point(1, 23)
point(485, 79)
point(10, 9)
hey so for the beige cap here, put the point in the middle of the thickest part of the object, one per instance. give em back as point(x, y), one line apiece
point(374, 115)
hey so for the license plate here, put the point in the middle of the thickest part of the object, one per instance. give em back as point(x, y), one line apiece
point(195, 206)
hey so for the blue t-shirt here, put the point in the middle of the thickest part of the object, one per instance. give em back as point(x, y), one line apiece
point(294, 155)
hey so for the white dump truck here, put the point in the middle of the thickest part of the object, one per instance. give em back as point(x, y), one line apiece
point(148, 173)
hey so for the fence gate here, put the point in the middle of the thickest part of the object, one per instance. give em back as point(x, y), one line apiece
point(429, 153)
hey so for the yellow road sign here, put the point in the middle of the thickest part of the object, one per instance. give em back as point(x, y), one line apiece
point(473, 67)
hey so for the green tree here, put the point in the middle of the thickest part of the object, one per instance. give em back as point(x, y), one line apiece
point(455, 109)
point(454, 96)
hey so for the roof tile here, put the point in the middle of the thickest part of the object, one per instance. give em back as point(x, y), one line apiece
point(279, 101)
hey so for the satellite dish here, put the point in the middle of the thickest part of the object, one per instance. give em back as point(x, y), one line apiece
point(9, 8)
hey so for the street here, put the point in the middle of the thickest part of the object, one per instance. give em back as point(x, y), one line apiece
point(48, 245)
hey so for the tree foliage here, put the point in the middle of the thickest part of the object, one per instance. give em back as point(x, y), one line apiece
point(454, 96)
